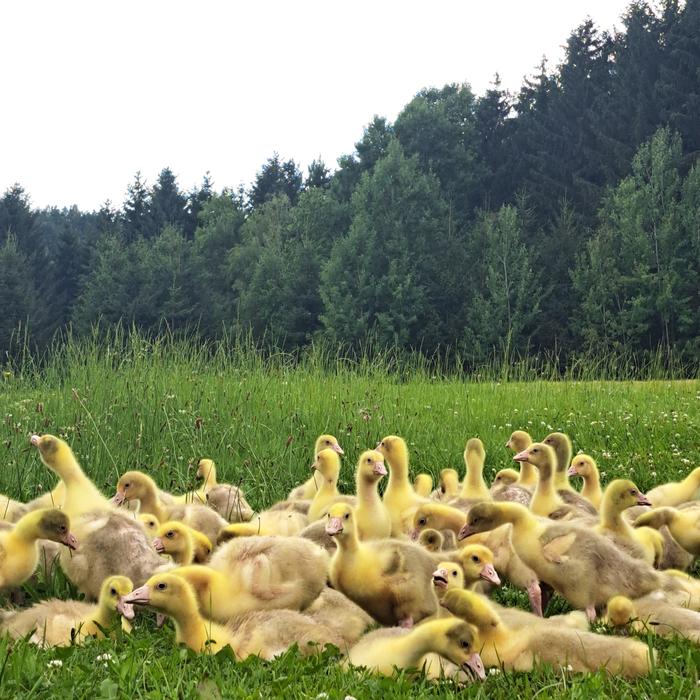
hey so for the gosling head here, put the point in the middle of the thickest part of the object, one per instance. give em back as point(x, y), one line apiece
point(484, 516)
point(112, 593)
point(393, 448)
point(561, 444)
point(449, 482)
point(150, 522)
point(518, 441)
point(476, 447)
point(134, 485)
point(431, 539)
point(340, 520)
point(205, 468)
point(621, 611)
point(459, 644)
point(477, 563)
point(505, 477)
point(53, 524)
point(541, 456)
point(52, 450)
point(448, 575)
point(327, 464)
point(172, 538)
point(167, 593)
point(328, 442)
point(582, 465)
point(370, 466)
point(623, 493)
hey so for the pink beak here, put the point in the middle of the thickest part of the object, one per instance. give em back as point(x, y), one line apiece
point(70, 541)
point(125, 609)
point(642, 500)
point(139, 596)
point(522, 456)
point(476, 665)
point(379, 469)
point(415, 534)
point(118, 498)
point(488, 573)
point(571, 471)
point(334, 526)
point(337, 448)
point(464, 532)
point(158, 545)
point(508, 444)
point(314, 466)
point(34, 439)
point(440, 578)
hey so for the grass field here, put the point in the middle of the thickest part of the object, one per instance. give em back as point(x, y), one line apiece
point(161, 408)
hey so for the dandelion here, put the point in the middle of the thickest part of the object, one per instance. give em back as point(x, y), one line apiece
point(55, 663)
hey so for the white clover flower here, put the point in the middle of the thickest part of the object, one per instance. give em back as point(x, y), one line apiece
point(494, 671)
point(104, 657)
point(55, 663)
point(569, 667)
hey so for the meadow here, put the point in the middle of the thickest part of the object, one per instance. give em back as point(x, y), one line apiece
point(161, 407)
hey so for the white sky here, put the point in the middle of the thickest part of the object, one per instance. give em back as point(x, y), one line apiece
point(95, 90)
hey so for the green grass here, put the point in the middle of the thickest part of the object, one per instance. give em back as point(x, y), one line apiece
point(162, 406)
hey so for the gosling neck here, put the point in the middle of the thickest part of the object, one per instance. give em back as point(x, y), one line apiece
point(184, 556)
point(191, 628)
point(591, 484)
point(474, 478)
point(209, 477)
point(545, 493)
point(412, 647)
point(25, 531)
point(329, 485)
point(611, 516)
point(150, 503)
point(348, 541)
point(528, 475)
point(450, 483)
point(367, 490)
point(693, 479)
point(398, 470)
point(561, 477)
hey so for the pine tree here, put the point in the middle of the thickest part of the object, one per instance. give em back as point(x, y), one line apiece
point(18, 296)
point(168, 204)
point(138, 215)
point(275, 177)
point(318, 175)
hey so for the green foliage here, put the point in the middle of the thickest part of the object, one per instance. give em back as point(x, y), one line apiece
point(570, 208)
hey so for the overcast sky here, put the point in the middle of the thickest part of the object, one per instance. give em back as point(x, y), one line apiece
point(93, 91)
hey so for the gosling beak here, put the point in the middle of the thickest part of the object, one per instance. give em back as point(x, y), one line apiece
point(126, 610)
point(488, 573)
point(464, 532)
point(414, 534)
point(34, 439)
point(476, 666)
point(70, 541)
point(379, 469)
point(522, 456)
point(642, 500)
point(440, 578)
point(508, 445)
point(337, 448)
point(334, 526)
point(314, 466)
point(139, 596)
point(118, 498)
point(158, 545)
point(571, 471)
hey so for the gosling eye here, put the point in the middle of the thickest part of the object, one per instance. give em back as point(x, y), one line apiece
point(475, 559)
point(633, 492)
point(126, 486)
point(162, 586)
point(328, 442)
point(454, 573)
point(464, 644)
point(422, 521)
point(347, 516)
point(170, 534)
point(369, 459)
point(442, 489)
point(113, 591)
point(535, 449)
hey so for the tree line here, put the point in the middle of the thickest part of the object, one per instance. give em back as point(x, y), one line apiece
point(564, 218)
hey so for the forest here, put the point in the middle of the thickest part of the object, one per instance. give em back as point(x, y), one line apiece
point(563, 219)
